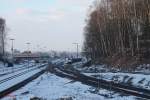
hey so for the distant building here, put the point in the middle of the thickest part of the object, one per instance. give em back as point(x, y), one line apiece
point(26, 55)
point(16, 51)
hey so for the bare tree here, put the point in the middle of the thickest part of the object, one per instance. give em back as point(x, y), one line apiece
point(2, 37)
point(117, 27)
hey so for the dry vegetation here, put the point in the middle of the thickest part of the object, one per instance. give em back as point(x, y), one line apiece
point(117, 32)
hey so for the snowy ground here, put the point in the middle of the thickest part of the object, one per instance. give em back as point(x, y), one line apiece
point(1, 64)
point(141, 69)
point(139, 78)
point(51, 87)
point(56, 61)
point(28, 73)
point(15, 68)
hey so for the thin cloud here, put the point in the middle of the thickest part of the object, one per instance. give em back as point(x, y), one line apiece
point(40, 15)
point(56, 24)
point(22, 11)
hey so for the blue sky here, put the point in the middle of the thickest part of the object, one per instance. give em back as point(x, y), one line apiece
point(54, 24)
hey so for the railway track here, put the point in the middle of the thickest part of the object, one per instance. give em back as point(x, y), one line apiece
point(10, 68)
point(130, 90)
point(22, 83)
point(19, 85)
point(10, 71)
point(19, 74)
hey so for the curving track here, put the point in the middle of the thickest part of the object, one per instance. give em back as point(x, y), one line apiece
point(130, 90)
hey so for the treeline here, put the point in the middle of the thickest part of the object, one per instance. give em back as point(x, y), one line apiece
point(118, 27)
point(2, 38)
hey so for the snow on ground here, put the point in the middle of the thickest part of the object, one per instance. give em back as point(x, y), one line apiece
point(139, 78)
point(140, 69)
point(14, 81)
point(13, 71)
point(57, 61)
point(15, 67)
point(1, 64)
point(51, 87)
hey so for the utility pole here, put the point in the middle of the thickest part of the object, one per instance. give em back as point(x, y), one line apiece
point(28, 51)
point(12, 48)
point(12, 53)
point(77, 46)
point(28, 46)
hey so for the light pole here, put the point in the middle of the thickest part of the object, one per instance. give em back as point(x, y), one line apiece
point(28, 51)
point(39, 54)
point(12, 51)
point(28, 46)
point(12, 48)
point(77, 45)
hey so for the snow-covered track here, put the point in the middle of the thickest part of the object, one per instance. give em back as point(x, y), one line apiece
point(19, 85)
point(19, 74)
point(12, 70)
point(123, 88)
point(20, 79)
point(5, 69)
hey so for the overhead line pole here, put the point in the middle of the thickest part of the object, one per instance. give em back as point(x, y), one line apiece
point(28, 51)
point(12, 53)
point(77, 44)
